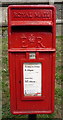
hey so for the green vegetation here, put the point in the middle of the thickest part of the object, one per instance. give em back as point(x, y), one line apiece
point(5, 82)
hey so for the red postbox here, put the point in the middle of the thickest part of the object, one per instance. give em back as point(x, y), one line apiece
point(31, 48)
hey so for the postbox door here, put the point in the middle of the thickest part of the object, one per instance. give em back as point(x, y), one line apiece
point(28, 103)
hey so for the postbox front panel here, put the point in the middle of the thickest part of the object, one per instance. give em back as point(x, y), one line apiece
point(31, 37)
point(31, 50)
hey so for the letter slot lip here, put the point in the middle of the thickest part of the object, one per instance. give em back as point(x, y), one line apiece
point(30, 23)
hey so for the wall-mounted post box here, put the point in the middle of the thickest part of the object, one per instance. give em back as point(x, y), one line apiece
point(31, 49)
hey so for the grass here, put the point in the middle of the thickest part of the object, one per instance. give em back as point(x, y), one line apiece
point(5, 82)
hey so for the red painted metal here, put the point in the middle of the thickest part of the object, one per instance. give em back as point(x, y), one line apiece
point(31, 28)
